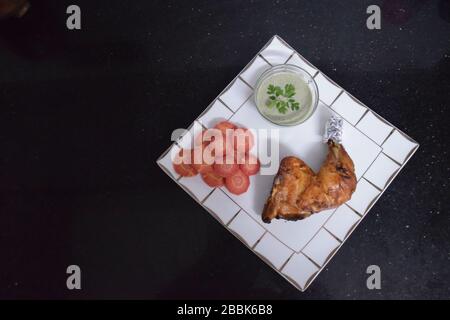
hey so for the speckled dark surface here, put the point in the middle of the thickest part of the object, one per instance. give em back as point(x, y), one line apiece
point(84, 115)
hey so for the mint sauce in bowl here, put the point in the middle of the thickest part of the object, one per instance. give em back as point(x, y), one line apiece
point(286, 95)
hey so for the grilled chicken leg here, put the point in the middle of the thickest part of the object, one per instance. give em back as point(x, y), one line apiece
point(297, 192)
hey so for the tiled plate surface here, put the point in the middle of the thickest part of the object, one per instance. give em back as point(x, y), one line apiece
point(297, 250)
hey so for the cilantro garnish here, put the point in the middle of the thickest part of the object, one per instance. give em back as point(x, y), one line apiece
point(282, 99)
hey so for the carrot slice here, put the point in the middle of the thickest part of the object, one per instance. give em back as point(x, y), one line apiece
point(237, 183)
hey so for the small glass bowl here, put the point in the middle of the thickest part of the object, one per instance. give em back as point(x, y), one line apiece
point(283, 120)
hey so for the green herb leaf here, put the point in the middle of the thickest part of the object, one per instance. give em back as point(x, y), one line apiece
point(282, 99)
point(289, 90)
point(271, 89)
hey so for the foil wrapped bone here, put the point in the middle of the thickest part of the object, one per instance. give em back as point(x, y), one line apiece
point(333, 130)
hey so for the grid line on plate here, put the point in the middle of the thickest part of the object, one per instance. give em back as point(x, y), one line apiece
point(275, 236)
point(354, 126)
point(353, 227)
point(370, 165)
point(234, 217)
point(330, 254)
point(351, 230)
point(390, 158)
point(292, 54)
point(332, 82)
point(331, 234)
point(387, 137)
point(371, 203)
point(265, 259)
point(209, 108)
point(334, 236)
point(352, 209)
point(164, 168)
point(362, 176)
point(337, 97)
point(311, 260)
point(267, 230)
point(390, 124)
point(208, 195)
point(168, 173)
point(283, 42)
point(225, 89)
point(260, 55)
point(287, 260)
point(214, 215)
point(313, 276)
point(387, 184)
point(304, 60)
point(261, 257)
point(364, 114)
point(362, 216)
point(223, 102)
point(181, 137)
point(354, 100)
point(373, 185)
point(238, 77)
point(241, 237)
point(392, 131)
point(248, 84)
point(244, 102)
point(301, 250)
point(257, 241)
point(190, 192)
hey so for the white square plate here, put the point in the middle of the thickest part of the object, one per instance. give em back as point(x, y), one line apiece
point(298, 250)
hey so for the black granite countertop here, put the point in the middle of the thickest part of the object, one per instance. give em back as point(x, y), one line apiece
point(85, 114)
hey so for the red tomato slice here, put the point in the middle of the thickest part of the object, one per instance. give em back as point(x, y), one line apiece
point(212, 179)
point(199, 139)
point(203, 167)
point(182, 163)
point(225, 169)
point(184, 170)
point(207, 136)
point(199, 162)
point(240, 157)
point(243, 140)
point(224, 126)
point(237, 183)
point(220, 148)
point(250, 166)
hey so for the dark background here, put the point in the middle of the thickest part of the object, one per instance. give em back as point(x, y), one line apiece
point(85, 114)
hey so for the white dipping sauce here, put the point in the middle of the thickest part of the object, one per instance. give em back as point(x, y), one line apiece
point(302, 95)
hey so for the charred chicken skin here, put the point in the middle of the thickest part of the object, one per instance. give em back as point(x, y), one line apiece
point(298, 192)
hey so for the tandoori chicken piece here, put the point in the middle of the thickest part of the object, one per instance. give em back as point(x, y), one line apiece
point(298, 192)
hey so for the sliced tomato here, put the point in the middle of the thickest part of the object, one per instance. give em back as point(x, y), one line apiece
point(212, 179)
point(182, 164)
point(238, 183)
point(207, 136)
point(220, 148)
point(250, 166)
point(198, 141)
point(200, 163)
point(224, 126)
point(184, 170)
point(203, 167)
point(225, 169)
point(243, 140)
